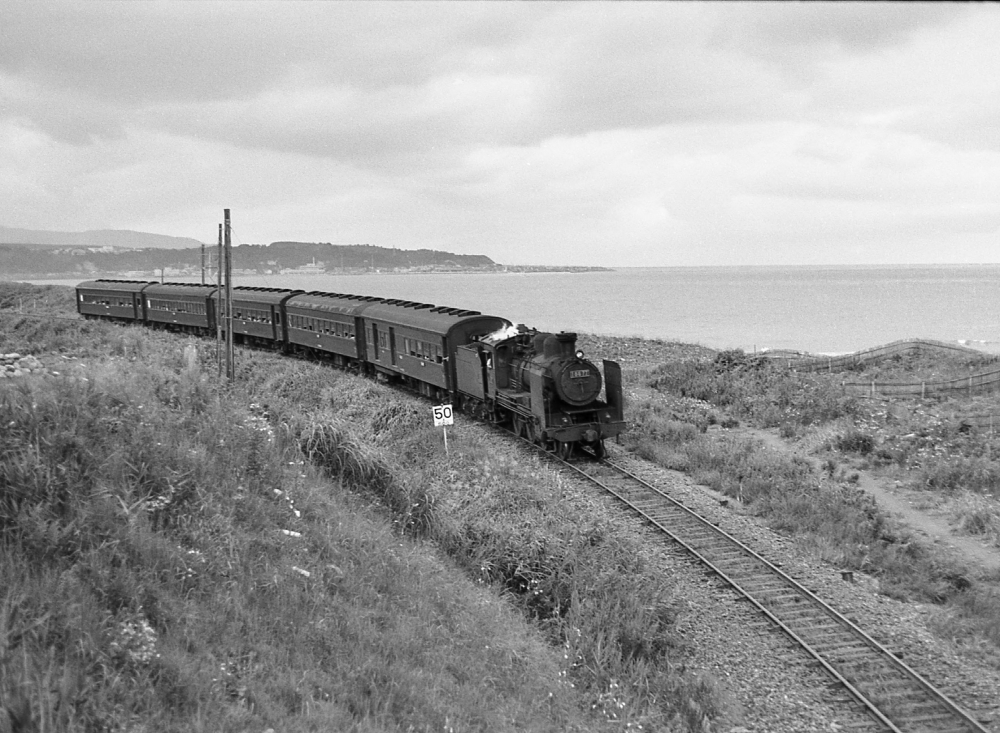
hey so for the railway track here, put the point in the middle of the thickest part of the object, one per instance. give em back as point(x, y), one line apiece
point(891, 692)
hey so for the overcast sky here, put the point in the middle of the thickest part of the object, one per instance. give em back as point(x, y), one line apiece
point(565, 133)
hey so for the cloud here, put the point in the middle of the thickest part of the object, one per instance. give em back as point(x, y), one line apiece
point(626, 133)
point(772, 29)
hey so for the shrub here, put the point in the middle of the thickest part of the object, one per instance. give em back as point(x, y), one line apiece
point(979, 475)
point(855, 441)
point(757, 390)
point(977, 515)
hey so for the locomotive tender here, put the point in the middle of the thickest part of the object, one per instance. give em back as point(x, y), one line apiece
point(538, 384)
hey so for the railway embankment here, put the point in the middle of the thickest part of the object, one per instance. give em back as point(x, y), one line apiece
point(297, 551)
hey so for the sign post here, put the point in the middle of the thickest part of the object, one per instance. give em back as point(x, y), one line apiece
point(443, 417)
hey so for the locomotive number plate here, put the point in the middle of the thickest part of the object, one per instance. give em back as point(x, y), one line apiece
point(579, 373)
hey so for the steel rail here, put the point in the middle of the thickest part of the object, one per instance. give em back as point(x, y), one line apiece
point(895, 721)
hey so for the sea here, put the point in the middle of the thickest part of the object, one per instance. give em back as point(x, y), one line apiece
point(821, 310)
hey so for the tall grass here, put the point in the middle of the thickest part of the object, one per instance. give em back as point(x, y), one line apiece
point(169, 561)
point(44, 299)
point(179, 554)
point(757, 389)
point(509, 525)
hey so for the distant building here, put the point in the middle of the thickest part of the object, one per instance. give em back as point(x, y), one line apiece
point(314, 268)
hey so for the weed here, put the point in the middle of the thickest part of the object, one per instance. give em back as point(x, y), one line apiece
point(855, 441)
point(756, 389)
point(977, 515)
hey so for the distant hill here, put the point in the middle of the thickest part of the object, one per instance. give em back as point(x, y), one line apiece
point(96, 238)
point(103, 260)
point(113, 253)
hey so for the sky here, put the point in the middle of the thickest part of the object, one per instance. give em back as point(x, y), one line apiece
point(577, 133)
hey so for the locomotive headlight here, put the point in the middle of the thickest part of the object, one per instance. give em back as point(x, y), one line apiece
point(579, 353)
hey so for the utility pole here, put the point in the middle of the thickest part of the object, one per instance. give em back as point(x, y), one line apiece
point(218, 304)
point(202, 263)
point(230, 364)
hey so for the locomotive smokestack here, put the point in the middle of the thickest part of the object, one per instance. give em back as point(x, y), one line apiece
point(567, 343)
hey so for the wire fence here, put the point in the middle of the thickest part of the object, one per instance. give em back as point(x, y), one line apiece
point(971, 385)
point(974, 384)
point(982, 423)
point(873, 355)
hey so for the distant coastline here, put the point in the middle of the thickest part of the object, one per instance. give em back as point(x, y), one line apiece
point(187, 274)
point(20, 261)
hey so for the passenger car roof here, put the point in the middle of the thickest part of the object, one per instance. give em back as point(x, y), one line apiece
point(262, 295)
point(424, 316)
point(342, 303)
point(190, 289)
point(132, 286)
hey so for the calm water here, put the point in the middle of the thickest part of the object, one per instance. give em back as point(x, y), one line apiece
point(826, 310)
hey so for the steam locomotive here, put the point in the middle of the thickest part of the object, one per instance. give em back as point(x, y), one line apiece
point(538, 384)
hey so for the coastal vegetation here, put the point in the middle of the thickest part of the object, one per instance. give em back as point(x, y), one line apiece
point(297, 551)
point(712, 415)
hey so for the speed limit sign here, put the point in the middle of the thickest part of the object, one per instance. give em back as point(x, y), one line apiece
point(443, 415)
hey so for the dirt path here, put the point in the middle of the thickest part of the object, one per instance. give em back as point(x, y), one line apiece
point(907, 507)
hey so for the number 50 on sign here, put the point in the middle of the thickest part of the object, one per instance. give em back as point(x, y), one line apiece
point(443, 415)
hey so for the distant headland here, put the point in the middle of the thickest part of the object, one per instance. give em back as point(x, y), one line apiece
point(30, 253)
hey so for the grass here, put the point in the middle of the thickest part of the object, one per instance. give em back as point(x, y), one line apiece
point(824, 510)
point(508, 525)
point(44, 299)
point(923, 366)
point(148, 579)
point(755, 389)
point(297, 552)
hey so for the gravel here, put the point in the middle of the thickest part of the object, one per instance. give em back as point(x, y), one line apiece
point(769, 682)
point(772, 687)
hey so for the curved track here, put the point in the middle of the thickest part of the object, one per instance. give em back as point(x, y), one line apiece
point(890, 691)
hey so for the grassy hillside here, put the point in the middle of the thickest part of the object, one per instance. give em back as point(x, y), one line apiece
point(297, 552)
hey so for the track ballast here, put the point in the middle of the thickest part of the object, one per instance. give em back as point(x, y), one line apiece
point(890, 691)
